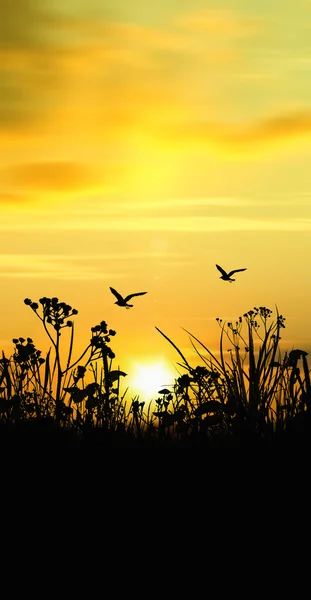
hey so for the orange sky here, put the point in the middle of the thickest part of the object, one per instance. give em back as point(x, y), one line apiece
point(139, 146)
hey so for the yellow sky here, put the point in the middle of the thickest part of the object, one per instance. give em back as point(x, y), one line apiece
point(141, 144)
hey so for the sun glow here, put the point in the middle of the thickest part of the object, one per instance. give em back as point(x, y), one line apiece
point(149, 378)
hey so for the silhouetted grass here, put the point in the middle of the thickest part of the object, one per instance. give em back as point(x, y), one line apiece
point(249, 395)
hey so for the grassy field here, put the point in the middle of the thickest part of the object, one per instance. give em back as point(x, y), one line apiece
point(249, 396)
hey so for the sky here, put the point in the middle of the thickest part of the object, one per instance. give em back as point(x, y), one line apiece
point(142, 143)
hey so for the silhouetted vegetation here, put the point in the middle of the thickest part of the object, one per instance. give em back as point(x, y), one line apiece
point(250, 395)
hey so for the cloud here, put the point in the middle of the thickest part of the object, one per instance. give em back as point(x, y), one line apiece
point(100, 209)
point(27, 71)
point(9, 199)
point(21, 24)
point(153, 223)
point(287, 125)
point(99, 81)
point(75, 267)
point(54, 267)
point(110, 73)
point(239, 137)
point(224, 22)
point(60, 176)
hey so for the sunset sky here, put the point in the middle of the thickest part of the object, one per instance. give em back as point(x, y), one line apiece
point(143, 142)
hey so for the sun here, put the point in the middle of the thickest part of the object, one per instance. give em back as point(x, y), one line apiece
point(148, 378)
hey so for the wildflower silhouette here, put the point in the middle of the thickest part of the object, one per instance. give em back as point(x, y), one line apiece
point(226, 276)
point(250, 394)
point(123, 301)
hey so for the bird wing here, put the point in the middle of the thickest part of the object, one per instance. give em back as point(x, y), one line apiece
point(236, 271)
point(132, 296)
point(221, 270)
point(116, 294)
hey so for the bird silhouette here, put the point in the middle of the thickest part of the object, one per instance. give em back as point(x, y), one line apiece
point(124, 301)
point(226, 276)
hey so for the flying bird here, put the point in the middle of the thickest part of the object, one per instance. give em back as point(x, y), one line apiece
point(124, 301)
point(226, 276)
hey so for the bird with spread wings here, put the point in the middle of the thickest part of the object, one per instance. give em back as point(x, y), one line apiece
point(124, 301)
point(227, 276)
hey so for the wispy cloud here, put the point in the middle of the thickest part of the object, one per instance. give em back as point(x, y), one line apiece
point(102, 207)
point(241, 136)
point(224, 22)
point(13, 200)
point(51, 175)
point(28, 72)
point(53, 267)
point(101, 86)
point(77, 267)
point(176, 223)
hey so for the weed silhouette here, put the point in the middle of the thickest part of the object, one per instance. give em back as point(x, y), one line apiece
point(248, 395)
